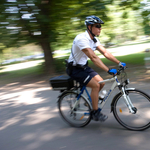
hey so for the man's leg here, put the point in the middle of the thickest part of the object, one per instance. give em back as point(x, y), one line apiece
point(95, 88)
point(99, 78)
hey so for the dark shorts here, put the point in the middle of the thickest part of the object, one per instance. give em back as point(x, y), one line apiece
point(83, 76)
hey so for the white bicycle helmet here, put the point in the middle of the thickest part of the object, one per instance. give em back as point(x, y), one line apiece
point(92, 20)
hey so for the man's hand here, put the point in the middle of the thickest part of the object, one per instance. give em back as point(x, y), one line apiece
point(121, 64)
point(112, 71)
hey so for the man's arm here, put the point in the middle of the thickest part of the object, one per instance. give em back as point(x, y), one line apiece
point(107, 54)
point(95, 59)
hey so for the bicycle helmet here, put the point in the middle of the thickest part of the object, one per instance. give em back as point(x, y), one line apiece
point(90, 20)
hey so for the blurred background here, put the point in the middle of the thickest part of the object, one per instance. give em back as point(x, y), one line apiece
point(36, 35)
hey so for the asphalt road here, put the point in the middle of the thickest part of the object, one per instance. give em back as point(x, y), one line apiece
point(29, 120)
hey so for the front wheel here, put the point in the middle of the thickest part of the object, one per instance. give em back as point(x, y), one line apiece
point(140, 119)
point(80, 116)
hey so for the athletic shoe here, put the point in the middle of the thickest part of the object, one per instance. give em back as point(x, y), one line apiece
point(98, 116)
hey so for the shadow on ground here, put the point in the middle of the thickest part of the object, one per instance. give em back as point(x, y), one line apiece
point(29, 120)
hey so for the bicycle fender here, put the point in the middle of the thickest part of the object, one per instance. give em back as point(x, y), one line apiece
point(129, 88)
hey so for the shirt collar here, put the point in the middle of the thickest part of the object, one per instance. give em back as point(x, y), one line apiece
point(87, 35)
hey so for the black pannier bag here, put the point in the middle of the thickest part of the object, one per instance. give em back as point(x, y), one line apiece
point(62, 82)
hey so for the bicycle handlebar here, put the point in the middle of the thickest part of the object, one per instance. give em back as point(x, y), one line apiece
point(120, 70)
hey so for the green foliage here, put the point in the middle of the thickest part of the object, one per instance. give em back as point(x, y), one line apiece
point(143, 6)
point(60, 21)
point(53, 24)
point(125, 25)
point(146, 19)
point(134, 4)
point(60, 64)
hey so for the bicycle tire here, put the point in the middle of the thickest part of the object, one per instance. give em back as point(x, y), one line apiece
point(75, 118)
point(138, 121)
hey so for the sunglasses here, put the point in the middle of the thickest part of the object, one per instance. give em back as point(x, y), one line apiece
point(98, 26)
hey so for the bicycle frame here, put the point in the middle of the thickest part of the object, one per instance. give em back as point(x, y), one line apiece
point(106, 97)
point(115, 83)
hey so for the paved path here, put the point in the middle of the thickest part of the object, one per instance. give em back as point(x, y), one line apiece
point(29, 120)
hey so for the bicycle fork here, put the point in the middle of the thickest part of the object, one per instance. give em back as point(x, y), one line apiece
point(128, 102)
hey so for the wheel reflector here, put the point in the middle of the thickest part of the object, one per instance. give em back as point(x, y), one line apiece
point(120, 110)
point(82, 117)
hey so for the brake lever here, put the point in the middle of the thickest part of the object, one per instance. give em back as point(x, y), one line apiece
point(121, 69)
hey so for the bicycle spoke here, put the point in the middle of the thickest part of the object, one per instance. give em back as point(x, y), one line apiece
point(139, 120)
point(76, 115)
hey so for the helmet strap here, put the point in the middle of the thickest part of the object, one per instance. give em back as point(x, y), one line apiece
point(94, 39)
point(91, 31)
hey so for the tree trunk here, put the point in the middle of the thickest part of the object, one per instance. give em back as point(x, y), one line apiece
point(49, 65)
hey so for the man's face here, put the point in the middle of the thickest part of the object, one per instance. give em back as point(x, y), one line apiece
point(96, 29)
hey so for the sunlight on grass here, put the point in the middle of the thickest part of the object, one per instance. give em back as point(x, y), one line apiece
point(21, 66)
point(22, 71)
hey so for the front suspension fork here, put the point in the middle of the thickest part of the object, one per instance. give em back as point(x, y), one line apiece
point(128, 102)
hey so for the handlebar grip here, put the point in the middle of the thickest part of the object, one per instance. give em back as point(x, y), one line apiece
point(121, 69)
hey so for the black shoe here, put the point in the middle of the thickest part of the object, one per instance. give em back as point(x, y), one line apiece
point(98, 116)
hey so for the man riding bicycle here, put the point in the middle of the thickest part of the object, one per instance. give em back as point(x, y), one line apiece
point(83, 48)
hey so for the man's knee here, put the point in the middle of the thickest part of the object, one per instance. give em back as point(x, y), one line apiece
point(93, 84)
point(102, 85)
point(96, 86)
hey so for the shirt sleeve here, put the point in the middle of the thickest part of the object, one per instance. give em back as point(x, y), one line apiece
point(83, 43)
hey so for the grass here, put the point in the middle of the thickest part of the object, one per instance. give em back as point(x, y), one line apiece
point(10, 76)
point(132, 59)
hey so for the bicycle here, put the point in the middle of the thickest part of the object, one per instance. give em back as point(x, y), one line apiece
point(130, 107)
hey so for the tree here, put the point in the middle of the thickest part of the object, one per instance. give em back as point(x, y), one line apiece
point(145, 9)
point(126, 21)
point(45, 22)
point(54, 23)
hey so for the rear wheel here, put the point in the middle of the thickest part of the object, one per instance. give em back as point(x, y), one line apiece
point(80, 116)
point(140, 119)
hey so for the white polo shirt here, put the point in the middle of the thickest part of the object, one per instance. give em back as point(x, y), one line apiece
point(81, 42)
